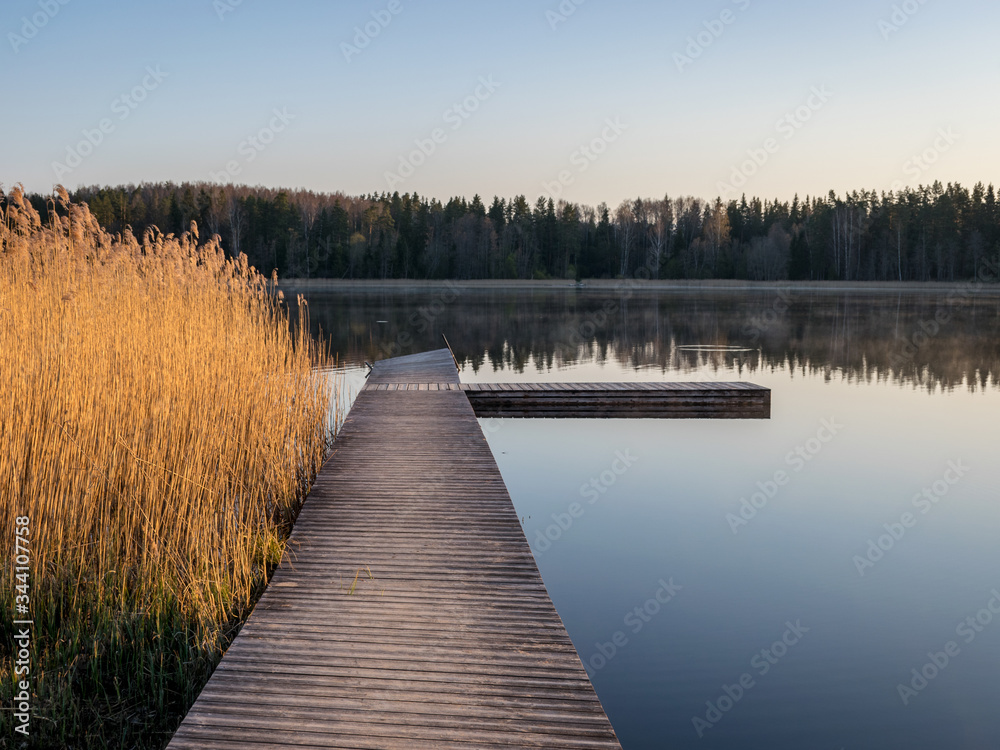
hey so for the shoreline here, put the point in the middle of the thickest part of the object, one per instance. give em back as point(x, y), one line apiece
point(660, 285)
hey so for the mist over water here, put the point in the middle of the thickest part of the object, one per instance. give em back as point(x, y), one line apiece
point(928, 340)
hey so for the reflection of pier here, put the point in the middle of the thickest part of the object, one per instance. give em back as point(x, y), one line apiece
point(408, 611)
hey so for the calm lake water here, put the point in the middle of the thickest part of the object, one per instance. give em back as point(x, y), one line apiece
point(829, 578)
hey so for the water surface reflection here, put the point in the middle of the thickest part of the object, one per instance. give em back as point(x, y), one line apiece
point(737, 584)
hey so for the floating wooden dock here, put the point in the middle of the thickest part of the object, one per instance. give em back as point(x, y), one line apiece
point(408, 611)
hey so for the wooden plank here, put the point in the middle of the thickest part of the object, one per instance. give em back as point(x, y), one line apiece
point(624, 400)
point(427, 367)
point(638, 387)
point(408, 611)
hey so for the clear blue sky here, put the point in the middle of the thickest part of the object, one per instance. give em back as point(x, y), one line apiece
point(686, 124)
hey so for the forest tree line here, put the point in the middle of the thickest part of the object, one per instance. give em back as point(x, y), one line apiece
point(928, 233)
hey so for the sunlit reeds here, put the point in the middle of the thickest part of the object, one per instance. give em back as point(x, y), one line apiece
point(160, 423)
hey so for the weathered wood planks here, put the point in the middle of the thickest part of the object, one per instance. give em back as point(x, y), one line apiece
point(429, 367)
point(408, 611)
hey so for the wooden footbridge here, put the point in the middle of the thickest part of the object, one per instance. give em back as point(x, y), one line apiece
point(408, 611)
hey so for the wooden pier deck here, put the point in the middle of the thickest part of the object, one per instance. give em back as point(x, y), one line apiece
point(409, 612)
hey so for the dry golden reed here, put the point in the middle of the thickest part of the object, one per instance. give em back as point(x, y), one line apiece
point(160, 423)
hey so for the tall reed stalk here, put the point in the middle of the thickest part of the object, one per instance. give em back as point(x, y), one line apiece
point(160, 424)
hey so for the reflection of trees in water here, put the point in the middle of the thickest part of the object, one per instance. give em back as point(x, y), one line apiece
point(856, 336)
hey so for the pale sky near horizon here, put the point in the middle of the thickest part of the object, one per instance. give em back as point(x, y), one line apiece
point(586, 100)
